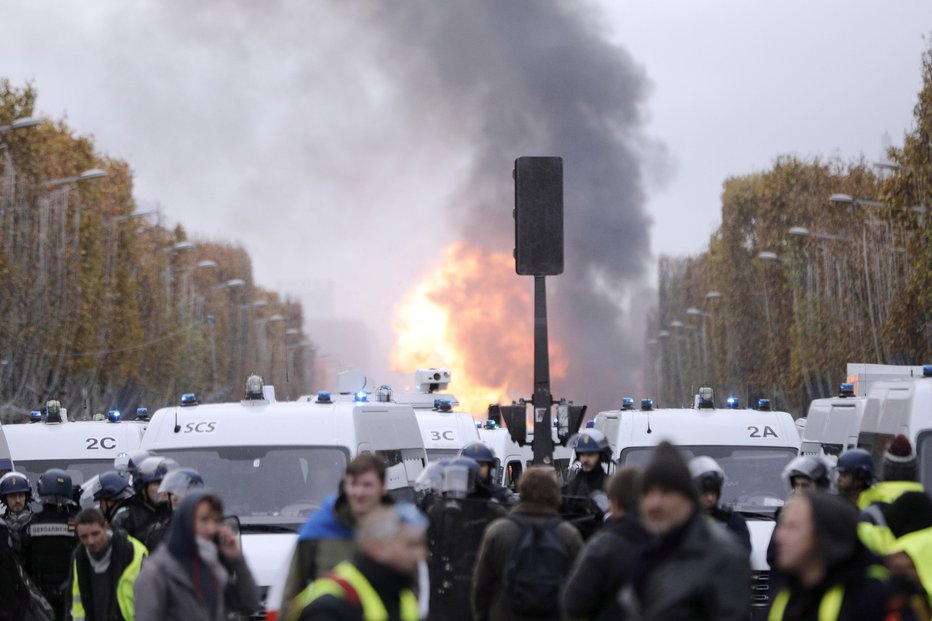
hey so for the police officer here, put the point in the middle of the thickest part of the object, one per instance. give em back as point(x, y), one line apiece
point(15, 493)
point(112, 493)
point(49, 537)
point(145, 510)
point(805, 473)
point(855, 473)
point(458, 519)
point(174, 486)
point(584, 501)
point(486, 486)
point(709, 479)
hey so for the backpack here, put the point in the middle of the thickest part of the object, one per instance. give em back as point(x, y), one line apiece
point(535, 569)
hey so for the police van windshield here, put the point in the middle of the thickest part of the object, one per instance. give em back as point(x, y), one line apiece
point(438, 454)
point(753, 480)
point(267, 484)
point(80, 469)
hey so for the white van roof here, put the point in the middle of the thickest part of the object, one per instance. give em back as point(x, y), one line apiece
point(899, 406)
point(833, 421)
point(356, 426)
point(695, 427)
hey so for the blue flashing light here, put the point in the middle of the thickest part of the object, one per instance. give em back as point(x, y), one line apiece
point(491, 424)
point(763, 405)
point(443, 405)
point(478, 424)
point(142, 413)
point(361, 397)
point(733, 403)
point(647, 404)
point(324, 397)
point(35, 416)
point(590, 424)
point(627, 403)
point(927, 370)
point(846, 390)
point(114, 416)
point(188, 399)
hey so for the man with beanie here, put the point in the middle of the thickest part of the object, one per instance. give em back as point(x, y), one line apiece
point(379, 581)
point(899, 476)
point(691, 568)
point(826, 571)
point(198, 573)
point(104, 569)
point(606, 562)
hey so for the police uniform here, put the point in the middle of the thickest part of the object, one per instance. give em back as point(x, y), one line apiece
point(48, 539)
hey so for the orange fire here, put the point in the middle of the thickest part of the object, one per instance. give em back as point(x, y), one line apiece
point(473, 315)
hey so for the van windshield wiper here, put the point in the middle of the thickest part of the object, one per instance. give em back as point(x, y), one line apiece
point(267, 528)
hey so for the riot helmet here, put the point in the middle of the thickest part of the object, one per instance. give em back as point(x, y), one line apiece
point(809, 467)
point(430, 481)
point(483, 455)
point(178, 482)
point(150, 471)
point(54, 487)
point(859, 463)
point(459, 477)
point(592, 441)
point(128, 463)
point(111, 486)
point(707, 475)
point(15, 483)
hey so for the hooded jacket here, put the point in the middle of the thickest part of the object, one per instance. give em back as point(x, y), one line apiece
point(867, 590)
point(176, 584)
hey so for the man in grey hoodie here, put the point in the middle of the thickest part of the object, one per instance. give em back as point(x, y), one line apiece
point(198, 574)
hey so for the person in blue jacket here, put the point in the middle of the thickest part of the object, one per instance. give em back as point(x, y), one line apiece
point(327, 538)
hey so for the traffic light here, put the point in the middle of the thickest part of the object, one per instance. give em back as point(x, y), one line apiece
point(515, 417)
point(569, 419)
point(539, 216)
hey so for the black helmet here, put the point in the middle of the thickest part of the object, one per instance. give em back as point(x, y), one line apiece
point(55, 485)
point(14, 483)
point(478, 451)
point(592, 441)
point(859, 463)
point(810, 467)
point(177, 482)
point(153, 470)
point(111, 486)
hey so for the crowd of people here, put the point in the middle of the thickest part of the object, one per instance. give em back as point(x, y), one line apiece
point(148, 542)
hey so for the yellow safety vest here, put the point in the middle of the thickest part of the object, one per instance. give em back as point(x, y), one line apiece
point(830, 606)
point(887, 492)
point(918, 545)
point(124, 592)
point(372, 607)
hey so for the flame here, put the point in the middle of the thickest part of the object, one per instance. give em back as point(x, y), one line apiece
point(473, 315)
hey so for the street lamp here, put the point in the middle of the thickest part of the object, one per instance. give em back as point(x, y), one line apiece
point(87, 175)
point(206, 264)
point(20, 123)
point(847, 199)
point(713, 295)
point(767, 255)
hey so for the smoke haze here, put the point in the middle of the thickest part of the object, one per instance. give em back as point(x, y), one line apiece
point(351, 142)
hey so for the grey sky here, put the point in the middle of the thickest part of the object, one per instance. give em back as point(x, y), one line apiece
point(286, 134)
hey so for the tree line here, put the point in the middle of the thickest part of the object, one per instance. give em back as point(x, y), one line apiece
point(817, 263)
point(102, 307)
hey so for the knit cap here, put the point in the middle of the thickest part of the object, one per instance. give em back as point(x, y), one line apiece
point(667, 470)
point(899, 460)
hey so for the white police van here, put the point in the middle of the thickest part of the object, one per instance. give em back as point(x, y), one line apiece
point(832, 424)
point(751, 446)
point(82, 448)
point(444, 431)
point(273, 463)
point(898, 406)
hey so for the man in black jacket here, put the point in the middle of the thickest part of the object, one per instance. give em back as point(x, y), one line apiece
point(691, 568)
point(606, 562)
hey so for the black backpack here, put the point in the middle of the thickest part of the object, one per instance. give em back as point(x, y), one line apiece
point(536, 569)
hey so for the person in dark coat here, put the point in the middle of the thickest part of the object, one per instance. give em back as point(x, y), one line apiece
point(199, 573)
point(827, 572)
point(691, 568)
point(606, 562)
point(538, 507)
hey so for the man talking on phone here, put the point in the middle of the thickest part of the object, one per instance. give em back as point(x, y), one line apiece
point(198, 573)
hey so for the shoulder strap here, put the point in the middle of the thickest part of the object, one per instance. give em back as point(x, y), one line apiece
point(349, 592)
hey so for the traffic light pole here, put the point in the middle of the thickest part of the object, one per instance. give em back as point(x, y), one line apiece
point(542, 399)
